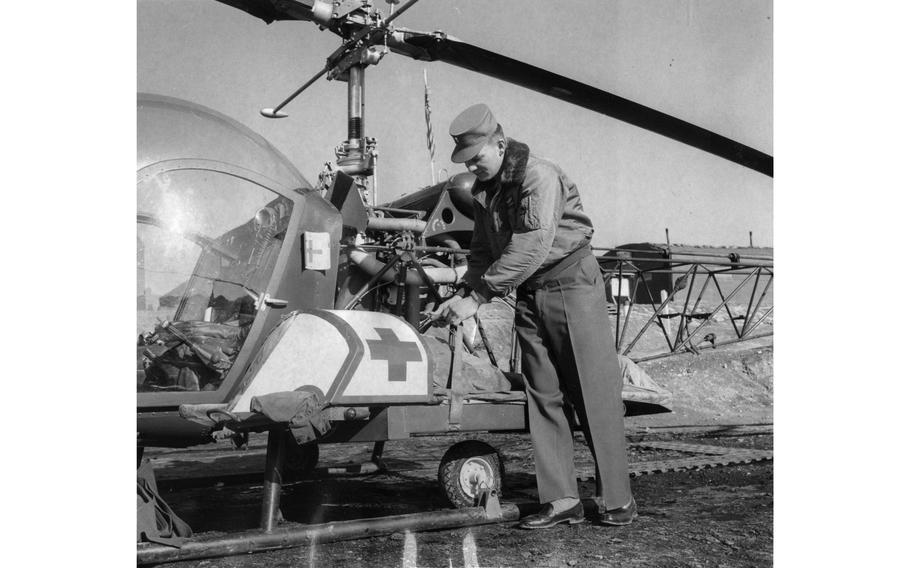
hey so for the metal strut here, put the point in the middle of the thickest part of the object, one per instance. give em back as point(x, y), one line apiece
point(271, 487)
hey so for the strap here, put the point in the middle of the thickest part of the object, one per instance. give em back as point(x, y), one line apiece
point(457, 386)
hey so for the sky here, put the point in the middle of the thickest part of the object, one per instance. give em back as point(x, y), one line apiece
point(708, 62)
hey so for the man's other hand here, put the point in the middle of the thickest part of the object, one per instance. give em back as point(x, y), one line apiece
point(455, 310)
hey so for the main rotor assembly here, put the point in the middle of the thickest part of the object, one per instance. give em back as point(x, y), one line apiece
point(367, 37)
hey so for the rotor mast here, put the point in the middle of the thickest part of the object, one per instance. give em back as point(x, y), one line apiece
point(364, 36)
point(355, 156)
point(356, 92)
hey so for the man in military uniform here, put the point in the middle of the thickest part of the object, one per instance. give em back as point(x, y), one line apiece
point(532, 237)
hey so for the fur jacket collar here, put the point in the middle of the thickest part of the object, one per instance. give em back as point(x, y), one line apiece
point(514, 164)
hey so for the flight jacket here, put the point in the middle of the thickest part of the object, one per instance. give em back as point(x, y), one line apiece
point(526, 219)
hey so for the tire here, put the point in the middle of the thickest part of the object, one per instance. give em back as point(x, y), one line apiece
point(299, 461)
point(465, 464)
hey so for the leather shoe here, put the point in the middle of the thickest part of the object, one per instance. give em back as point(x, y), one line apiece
point(620, 516)
point(547, 517)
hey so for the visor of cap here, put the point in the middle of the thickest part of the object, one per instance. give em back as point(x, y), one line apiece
point(465, 151)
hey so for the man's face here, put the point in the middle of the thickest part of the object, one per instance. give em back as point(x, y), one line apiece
point(488, 161)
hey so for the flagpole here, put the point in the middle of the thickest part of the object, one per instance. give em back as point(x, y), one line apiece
point(431, 142)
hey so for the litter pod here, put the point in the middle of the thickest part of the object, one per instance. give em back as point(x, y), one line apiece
point(352, 357)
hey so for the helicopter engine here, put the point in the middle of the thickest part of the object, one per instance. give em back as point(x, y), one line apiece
point(393, 255)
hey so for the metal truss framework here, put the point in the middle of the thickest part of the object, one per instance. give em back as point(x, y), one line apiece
point(750, 271)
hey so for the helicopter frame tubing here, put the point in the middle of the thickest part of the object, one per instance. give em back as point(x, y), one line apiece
point(749, 270)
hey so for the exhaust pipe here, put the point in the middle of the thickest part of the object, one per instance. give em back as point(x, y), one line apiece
point(439, 275)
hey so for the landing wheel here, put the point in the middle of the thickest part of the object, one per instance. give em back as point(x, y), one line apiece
point(467, 467)
point(300, 461)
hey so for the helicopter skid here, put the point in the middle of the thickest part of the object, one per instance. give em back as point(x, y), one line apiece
point(248, 542)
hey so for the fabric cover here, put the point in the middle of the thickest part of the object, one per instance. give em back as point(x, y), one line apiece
point(301, 409)
point(155, 521)
point(190, 355)
point(638, 386)
point(481, 376)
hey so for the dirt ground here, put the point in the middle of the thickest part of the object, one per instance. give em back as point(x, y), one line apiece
point(713, 517)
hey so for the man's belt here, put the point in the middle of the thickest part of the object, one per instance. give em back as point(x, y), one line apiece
point(537, 281)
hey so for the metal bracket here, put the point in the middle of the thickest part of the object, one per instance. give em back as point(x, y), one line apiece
point(489, 499)
point(366, 55)
point(324, 11)
point(376, 456)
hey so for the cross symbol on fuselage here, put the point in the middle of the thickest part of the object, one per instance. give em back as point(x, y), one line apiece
point(397, 353)
point(311, 252)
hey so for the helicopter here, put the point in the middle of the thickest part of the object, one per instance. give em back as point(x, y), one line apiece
point(259, 292)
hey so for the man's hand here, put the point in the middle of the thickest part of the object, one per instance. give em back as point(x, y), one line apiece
point(455, 310)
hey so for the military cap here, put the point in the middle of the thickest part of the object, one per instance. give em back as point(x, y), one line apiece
point(471, 130)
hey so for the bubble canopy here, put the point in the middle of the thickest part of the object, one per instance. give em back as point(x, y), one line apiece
point(214, 202)
point(170, 129)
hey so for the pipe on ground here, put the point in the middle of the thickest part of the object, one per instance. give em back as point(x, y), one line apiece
point(279, 538)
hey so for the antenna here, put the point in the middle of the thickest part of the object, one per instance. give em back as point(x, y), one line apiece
point(431, 141)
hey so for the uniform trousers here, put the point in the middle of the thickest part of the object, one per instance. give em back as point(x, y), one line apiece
point(568, 356)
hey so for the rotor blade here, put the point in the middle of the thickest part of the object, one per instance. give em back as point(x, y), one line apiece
point(271, 10)
point(438, 47)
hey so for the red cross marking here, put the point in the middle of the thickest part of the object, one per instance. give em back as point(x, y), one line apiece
point(311, 252)
point(389, 348)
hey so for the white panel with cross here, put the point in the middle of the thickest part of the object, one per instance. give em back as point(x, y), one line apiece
point(394, 362)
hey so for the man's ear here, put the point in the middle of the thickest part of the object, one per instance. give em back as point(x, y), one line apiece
point(501, 146)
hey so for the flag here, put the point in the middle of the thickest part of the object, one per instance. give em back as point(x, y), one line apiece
point(431, 142)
